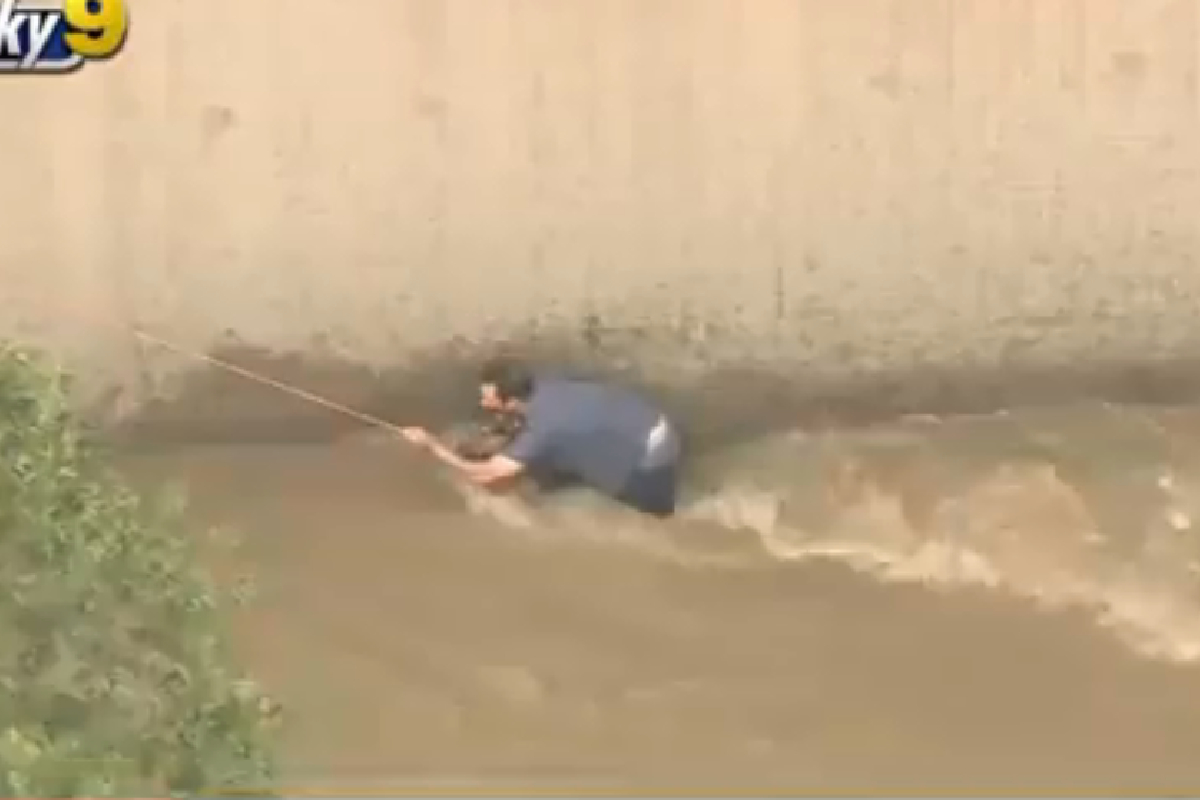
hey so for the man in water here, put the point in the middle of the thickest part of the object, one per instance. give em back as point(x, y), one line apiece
point(602, 435)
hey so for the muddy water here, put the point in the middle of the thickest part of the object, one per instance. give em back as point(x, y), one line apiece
point(1005, 601)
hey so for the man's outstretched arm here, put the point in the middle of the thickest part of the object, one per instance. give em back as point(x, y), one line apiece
point(497, 468)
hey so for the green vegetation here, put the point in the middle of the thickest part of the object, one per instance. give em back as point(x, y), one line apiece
point(115, 676)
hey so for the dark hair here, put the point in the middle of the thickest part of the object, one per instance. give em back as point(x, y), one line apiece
point(512, 379)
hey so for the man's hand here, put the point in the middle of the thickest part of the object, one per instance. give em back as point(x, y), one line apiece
point(417, 436)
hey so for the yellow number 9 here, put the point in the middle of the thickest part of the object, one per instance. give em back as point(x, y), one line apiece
point(99, 26)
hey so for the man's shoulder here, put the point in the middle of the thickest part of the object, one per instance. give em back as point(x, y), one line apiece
point(568, 396)
point(555, 393)
point(551, 381)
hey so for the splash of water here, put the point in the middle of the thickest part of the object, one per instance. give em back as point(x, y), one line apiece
point(1087, 507)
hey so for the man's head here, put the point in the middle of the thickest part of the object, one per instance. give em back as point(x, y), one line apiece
point(505, 385)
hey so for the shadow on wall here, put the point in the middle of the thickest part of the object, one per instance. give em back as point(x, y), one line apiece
point(719, 405)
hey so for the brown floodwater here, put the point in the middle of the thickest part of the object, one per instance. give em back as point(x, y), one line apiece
point(1001, 602)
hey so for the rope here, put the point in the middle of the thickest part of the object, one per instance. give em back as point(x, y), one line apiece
point(251, 375)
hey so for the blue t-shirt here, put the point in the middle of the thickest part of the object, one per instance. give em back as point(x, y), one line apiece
point(594, 432)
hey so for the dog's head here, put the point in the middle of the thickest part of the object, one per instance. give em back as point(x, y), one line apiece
point(484, 439)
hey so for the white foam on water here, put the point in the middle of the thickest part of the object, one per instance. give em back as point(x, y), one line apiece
point(1158, 618)
point(580, 517)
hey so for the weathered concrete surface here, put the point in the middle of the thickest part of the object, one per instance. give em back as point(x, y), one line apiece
point(859, 185)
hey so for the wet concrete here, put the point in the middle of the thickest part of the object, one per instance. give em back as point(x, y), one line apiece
point(718, 403)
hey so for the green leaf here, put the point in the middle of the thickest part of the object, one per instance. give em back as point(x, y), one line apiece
point(116, 677)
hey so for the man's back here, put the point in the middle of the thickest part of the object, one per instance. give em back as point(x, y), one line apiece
point(600, 433)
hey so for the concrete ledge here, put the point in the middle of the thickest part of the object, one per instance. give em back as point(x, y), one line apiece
point(718, 402)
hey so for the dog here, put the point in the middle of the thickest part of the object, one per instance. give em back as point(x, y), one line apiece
point(479, 441)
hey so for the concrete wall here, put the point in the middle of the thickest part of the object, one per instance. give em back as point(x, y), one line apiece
point(859, 183)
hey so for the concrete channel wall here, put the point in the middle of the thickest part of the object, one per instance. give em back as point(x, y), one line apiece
point(856, 185)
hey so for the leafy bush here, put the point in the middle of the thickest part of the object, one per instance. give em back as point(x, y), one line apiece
point(115, 676)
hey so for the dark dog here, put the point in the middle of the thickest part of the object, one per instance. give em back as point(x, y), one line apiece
point(481, 440)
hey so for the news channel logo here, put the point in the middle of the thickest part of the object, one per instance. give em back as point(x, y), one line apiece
point(57, 36)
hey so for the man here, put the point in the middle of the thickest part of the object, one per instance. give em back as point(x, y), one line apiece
point(602, 435)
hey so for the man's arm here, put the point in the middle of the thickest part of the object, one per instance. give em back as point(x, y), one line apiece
point(497, 468)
